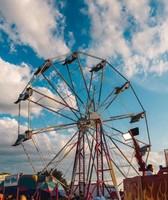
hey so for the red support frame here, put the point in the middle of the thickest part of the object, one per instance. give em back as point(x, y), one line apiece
point(100, 163)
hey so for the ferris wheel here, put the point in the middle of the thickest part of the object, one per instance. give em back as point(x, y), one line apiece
point(95, 108)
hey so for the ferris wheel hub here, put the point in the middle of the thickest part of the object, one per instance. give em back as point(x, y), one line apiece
point(94, 117)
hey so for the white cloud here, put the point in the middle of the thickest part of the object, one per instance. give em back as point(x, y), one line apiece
point(9, 155)
point(136, 8)
point(71, 39)
point(13, 79)
point(12, 48)
point(142, 54)
point(156, 159)
point(62, 3)
point(8, 131)
point(142, 40)
point(151, 41)
point(35, 23)
point(106, 29)
point(150, 45)
point(159, 68)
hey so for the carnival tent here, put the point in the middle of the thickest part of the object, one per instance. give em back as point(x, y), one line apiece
point(28, 182)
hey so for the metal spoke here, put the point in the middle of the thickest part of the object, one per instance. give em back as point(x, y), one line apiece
point(55, 100)
point(67, 84)
point(103, 102)
point(124, 156)
point(65, 146)
point(109, 104)
point(54, 128)
point(124, 116)
point(100, 90)
point(89, 103)
point(84, 80)
point(59, 95)
point(52, 110)
point(73, 88)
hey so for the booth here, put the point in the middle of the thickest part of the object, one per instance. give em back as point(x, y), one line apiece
point(146, 187)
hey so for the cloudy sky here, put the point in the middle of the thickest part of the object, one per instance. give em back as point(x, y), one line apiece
point(130, 34)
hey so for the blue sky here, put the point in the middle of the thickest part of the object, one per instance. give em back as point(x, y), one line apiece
point(132, 35)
